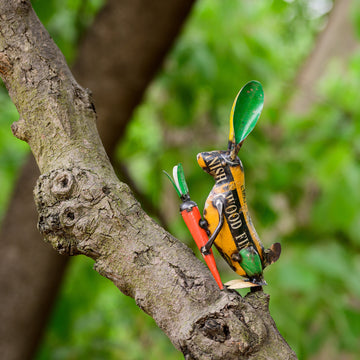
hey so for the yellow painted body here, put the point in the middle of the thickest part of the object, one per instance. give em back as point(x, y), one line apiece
point(230, 184)
point(226, 211)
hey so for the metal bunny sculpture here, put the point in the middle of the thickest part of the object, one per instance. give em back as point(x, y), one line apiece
point(227, 220)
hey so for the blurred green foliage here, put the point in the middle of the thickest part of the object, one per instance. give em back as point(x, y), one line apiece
point(93, 320)
point(302, 174)
point(66, 21)
point(11, 152)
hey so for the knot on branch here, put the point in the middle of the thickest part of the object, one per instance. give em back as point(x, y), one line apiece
point(215, 329)
point(69, 202)
point(234, 325)
point(62, 184)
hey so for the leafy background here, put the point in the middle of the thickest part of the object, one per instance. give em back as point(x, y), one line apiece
point(302, 174)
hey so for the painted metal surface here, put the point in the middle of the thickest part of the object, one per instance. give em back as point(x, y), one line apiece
point(227, 223)
point(226, 212)
point(191, 215)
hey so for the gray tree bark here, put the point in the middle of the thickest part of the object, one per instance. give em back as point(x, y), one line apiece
point(30, 270)
point(84, 209)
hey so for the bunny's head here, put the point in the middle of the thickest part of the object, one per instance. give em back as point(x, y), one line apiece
point(217, 163)
point(245, 112)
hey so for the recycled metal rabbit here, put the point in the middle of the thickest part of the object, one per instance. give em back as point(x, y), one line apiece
point(226, 217)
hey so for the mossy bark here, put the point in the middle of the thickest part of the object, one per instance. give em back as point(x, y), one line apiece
point(83, 208)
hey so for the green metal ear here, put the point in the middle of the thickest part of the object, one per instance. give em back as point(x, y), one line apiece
point(179, 181)
point(245, 112)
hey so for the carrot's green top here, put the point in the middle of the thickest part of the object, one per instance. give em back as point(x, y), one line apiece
point(178, 182)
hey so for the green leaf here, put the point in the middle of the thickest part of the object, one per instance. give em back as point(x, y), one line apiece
point(181, 179)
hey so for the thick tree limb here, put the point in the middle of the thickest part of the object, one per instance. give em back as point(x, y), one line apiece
point(30, 271)
point(83, 208)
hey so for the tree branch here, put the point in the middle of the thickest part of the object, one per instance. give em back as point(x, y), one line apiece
point(142, 40)
point(83, 208)
point(30, 270)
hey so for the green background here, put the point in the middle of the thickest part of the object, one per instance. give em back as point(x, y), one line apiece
point(302, 174)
